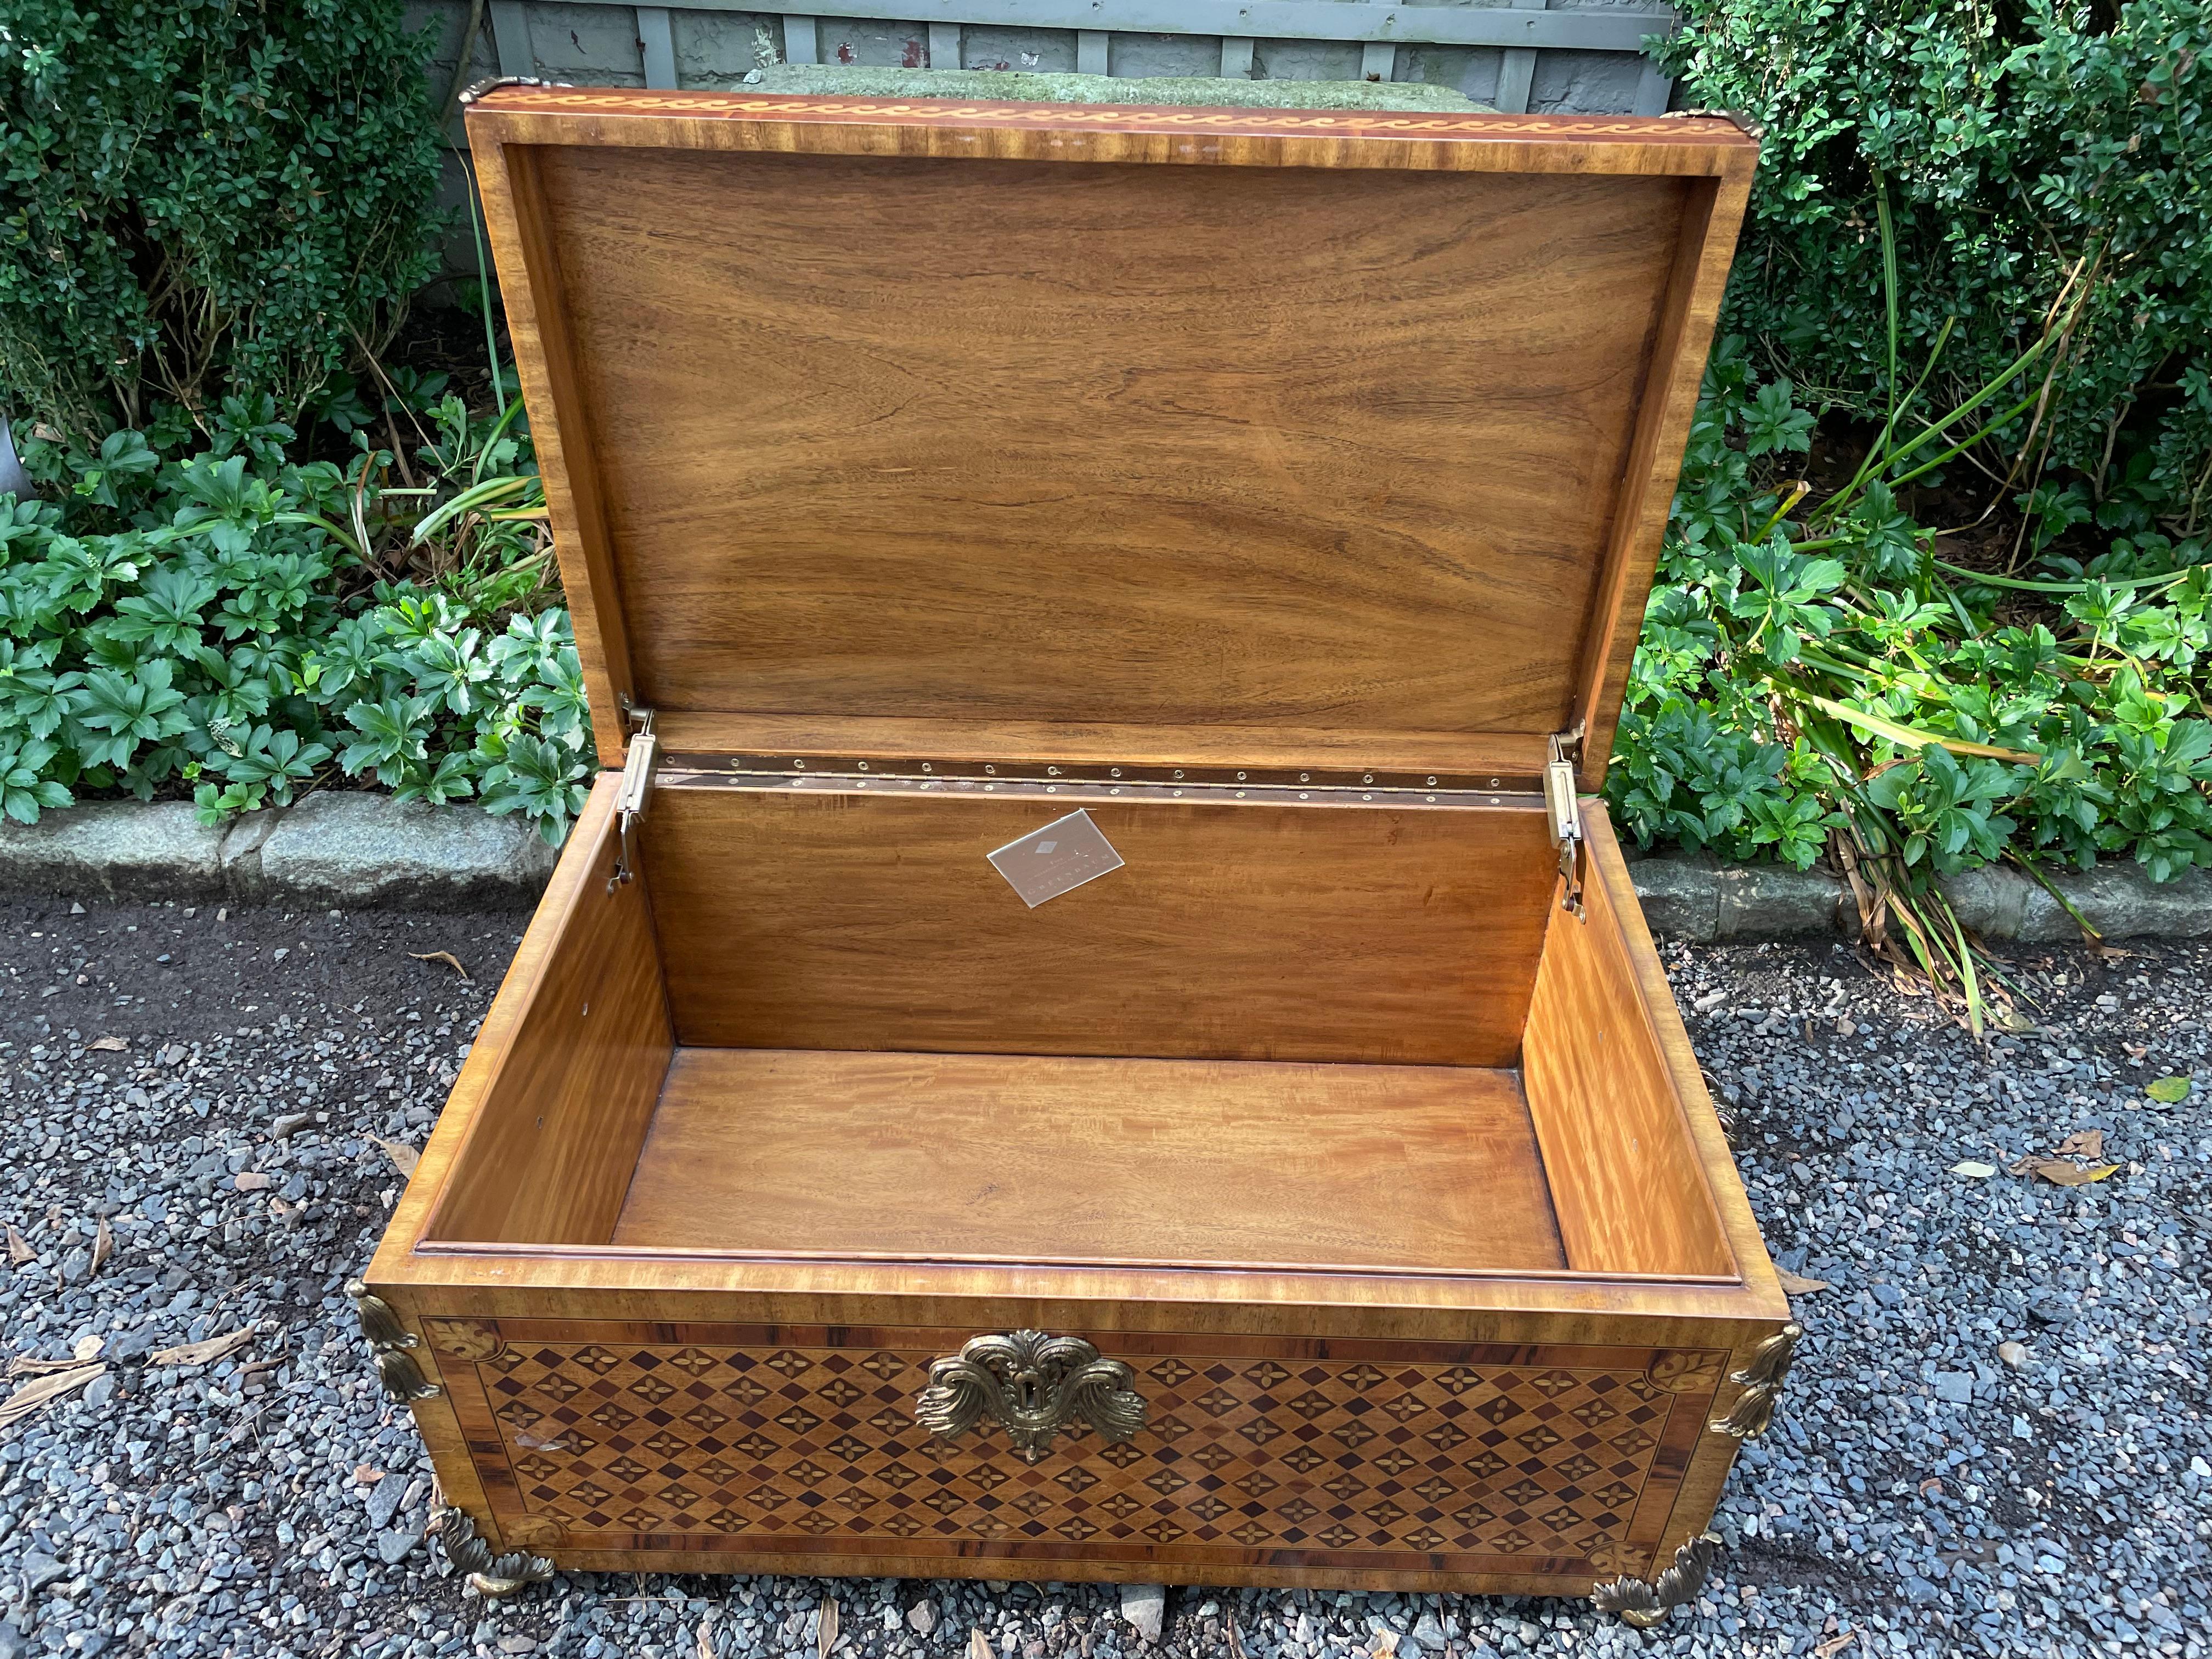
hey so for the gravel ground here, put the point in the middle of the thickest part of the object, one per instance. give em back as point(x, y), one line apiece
point(1995, 1441)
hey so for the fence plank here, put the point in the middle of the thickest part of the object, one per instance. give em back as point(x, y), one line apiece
point(1236, 57)
point(945, 46)
point(1599, 29)
point(1091, 56)
point(1654, 88)
point(1517, 72)
point(800, 44)
point(1378, 61)
point(656, 42)
point(510, 38)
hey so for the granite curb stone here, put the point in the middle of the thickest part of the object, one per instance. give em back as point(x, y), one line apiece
point(124, 849)
point(341, 849)
point(1695, 898)
point(363, 849)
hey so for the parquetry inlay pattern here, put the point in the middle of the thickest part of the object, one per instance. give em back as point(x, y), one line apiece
point(1496, 1461)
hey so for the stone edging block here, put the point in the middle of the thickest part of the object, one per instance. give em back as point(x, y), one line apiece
point(341, 849)
point(1693, 897)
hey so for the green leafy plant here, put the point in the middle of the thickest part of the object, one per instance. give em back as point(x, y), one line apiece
point(1814, 677)
point(229, 621)
point(2043, 162)
point(205, 201)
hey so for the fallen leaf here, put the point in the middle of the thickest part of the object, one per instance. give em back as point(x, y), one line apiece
point(1931, 1488)
point(1385, 1645)
point(1236, 1642)
point(109, 1045)
point(2013, 1354)
point(825, 1629)
point(201, 1353)
point(18, 1251)
point(45, 1390)
point(88, 1347)
point(1978, 1171)
point(2082, 1143)
point(24, 1365)
point(1797, 1285)
point(2169, 1091)
point(404, 1158)
point(251, 1181)
point(366, 1474)
point(446, 957)
point(103, 1245)
point(979, 1646)
point(706, 1639)
point(2059, 1173)
point(1834, 1645)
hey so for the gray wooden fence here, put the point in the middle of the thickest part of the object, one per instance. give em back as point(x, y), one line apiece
point(1585, 58)
point(1517, 55)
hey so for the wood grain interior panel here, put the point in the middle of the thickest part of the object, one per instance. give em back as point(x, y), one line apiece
point(852, 462)
point(1631, 1190)
point(551, 1146)
point(1044, 1158)
point(1244, 931)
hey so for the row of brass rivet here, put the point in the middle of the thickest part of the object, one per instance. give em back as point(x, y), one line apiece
point(939, 772)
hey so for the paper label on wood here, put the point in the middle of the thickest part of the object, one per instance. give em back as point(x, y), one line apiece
point(1064, 854)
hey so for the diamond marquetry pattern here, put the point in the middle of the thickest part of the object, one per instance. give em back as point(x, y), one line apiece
point(1491, 1461)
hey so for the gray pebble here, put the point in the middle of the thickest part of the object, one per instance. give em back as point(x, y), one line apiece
point(383, 1499)
point(1144, 1605)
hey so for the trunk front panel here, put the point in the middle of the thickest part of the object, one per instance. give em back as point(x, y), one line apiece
point(1257, 1456)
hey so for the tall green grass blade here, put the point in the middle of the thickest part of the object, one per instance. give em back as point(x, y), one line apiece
point(1967, 979)
point(1915, 738)
point(479, 495)
point(1889, 286)
point(484, 289)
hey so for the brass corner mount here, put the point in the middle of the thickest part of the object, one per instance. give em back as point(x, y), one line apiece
point(1753, 1413)
point(388, 1343)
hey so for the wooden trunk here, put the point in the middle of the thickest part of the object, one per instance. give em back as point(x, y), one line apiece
point(1279, 490)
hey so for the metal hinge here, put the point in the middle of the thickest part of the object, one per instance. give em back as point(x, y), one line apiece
point(636, 790)
point(493, 83)
point(1565, 813)
point(1743, 122)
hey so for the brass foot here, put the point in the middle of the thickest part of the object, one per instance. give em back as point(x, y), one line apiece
point(1640, 1605)
point(489, 1575)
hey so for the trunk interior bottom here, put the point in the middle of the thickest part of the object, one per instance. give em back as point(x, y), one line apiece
point(1044, 1158)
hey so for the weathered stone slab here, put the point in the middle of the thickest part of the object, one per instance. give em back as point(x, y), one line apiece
point(114, 849)
point(1680, 895)
point(1993, 902)
point(2122, 901)
point(1030, 87)
point(360, 849)
point(1773, 901)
